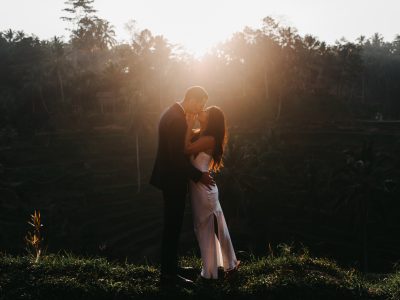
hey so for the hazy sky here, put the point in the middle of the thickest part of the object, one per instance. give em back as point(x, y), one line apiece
point(200, 24)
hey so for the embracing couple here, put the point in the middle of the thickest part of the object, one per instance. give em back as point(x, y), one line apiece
point(185, 160)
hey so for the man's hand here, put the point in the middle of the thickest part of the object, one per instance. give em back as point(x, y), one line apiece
point(207, 180)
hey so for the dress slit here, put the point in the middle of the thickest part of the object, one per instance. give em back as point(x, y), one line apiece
point(216, 226)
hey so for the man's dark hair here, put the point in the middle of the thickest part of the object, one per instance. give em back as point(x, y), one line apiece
point(196, 92)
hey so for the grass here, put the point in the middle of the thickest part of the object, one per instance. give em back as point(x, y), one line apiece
point(283, 275)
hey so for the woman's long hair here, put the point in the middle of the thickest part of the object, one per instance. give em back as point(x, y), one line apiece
point(216, 127)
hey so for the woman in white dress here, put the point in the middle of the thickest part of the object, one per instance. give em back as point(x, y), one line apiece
point(205, 147)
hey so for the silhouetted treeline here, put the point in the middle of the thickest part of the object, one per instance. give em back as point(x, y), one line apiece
point(259, 74)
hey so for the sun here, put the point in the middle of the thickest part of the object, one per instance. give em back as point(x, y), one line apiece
point(197, 47)
point(194, 25)
point(197, 39)
point(197, 26)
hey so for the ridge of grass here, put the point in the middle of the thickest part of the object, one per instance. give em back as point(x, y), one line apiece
point(285, 275)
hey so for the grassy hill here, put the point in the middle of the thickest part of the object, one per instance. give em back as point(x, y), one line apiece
point(281, 275)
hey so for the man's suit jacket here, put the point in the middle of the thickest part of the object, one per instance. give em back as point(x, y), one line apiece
point(172, 168)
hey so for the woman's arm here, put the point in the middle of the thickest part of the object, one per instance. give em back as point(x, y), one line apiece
point(202, 144)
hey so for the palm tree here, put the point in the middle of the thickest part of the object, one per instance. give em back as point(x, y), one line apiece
point(139, 122)
point(58, 64)
point(104, 34)
point(161, 53)
point(267, 40)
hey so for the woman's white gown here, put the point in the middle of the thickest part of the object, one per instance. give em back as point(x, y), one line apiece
point(215, 252)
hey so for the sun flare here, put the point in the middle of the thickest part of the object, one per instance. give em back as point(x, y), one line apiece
point(196, 27)
point(198, 41)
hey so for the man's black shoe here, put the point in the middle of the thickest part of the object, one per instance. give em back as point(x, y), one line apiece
point(221, 272)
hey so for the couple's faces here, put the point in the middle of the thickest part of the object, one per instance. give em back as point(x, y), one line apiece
point(197, 107)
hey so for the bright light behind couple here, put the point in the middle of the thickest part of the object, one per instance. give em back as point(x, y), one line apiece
point(241, 149)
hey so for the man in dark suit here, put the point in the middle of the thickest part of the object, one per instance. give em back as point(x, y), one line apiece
point(171, 173)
